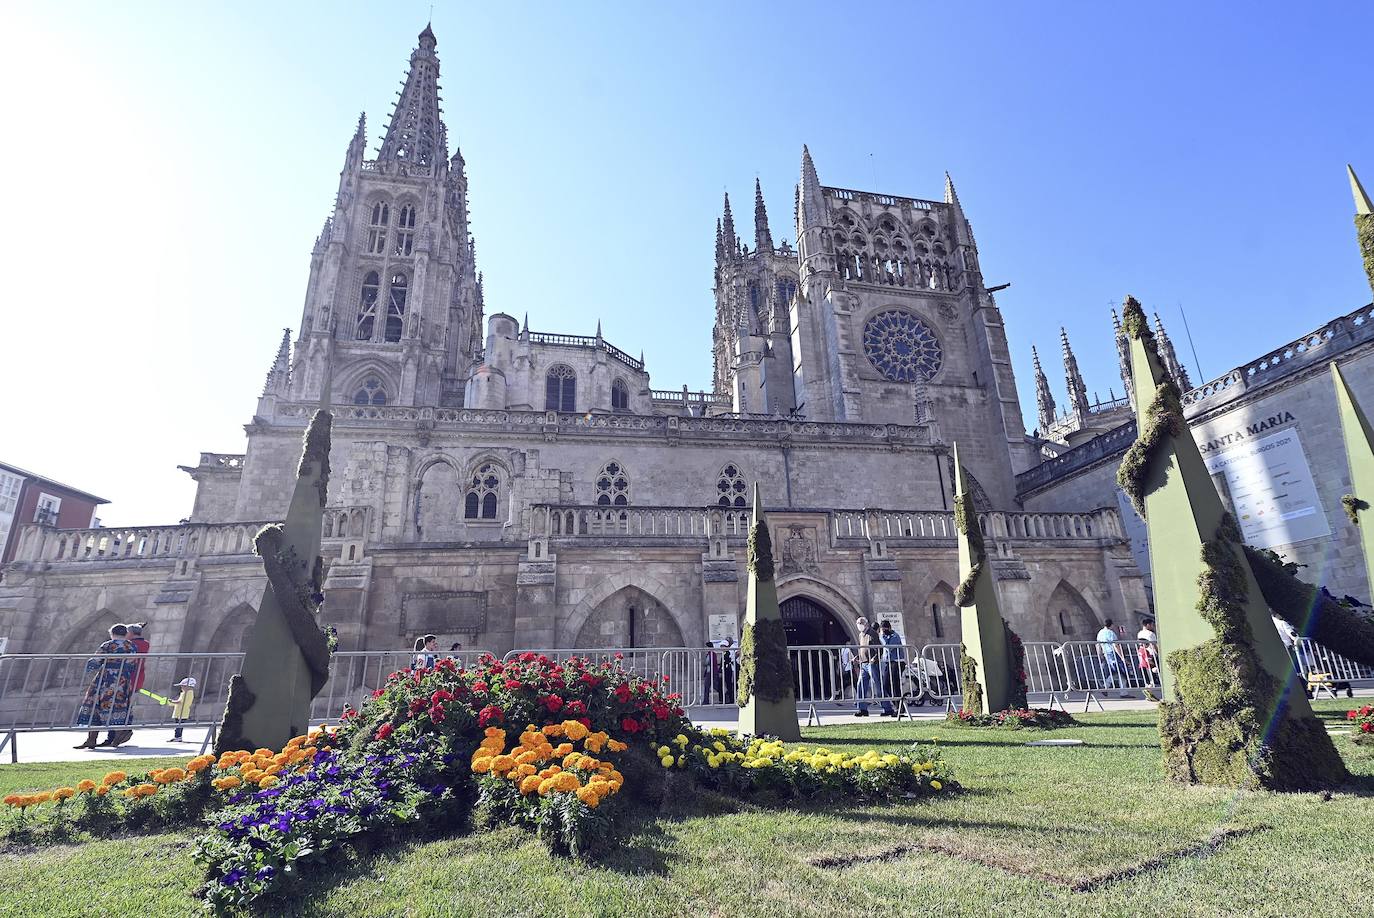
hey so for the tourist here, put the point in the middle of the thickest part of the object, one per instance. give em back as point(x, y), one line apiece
point(1289, 637)
point(141, 645)
point(710, 674)
point(894, 661)
point(456, 647)
point(730, 665)
point(426, 651)
point(181, 708)
point(1148, 652)
point(1115, 673)
point(106, 703)
point(849, 672)
point(869, 664)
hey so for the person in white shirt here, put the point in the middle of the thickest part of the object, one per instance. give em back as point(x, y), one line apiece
point(1148, 654)
point(1115, 674)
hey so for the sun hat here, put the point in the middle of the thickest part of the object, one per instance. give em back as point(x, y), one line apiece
point(189, 682)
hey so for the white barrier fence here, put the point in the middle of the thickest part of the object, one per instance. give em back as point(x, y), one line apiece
point(43, 692)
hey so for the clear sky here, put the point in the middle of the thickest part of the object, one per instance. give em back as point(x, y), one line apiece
point(168, 165)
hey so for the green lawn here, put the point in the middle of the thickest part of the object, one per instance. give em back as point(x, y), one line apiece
point(1091, 830)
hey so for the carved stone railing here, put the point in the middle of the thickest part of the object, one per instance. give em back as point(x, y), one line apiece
point(886, 200)
point(564, 521)
point(648, 425)
point(685, 397)
point(1111, 443)
point(228, 461)
point(46, 544)
point(585, 341)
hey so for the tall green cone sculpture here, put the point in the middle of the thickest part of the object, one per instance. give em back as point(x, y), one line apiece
point(1364, 224)
point(984, 660)
point(1234, 714)
point(286, 662)
point(1359, 453)
point(767, 705)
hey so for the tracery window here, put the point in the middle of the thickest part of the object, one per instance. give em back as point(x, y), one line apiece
point(731, 490)
point(787, 288)
point(405, 230)
point(376, 234)
point(901, 347)
point(560, 389)
point(612, 485)
point(396, 307)
point(367, 306)
point(481, 498)
point(371, 393)
point(620, 396)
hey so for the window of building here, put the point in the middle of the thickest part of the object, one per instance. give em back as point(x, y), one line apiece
point(560, 392)
point(371, 393)
point(396, 307)
point(405, 230)
point(620, 396)
point(731, 490)
point(901, 346)
point(935, 619)
point(376, 233)
point(480, 501)
point(1063, 622)
point(46, 511)
point(367, 306)
point(9, 492)
point(612, 486)
point(787, 288)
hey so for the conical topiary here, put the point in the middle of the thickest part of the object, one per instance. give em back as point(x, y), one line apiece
point(768, 706)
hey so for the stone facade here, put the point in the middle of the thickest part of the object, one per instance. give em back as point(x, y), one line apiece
point(531, 489)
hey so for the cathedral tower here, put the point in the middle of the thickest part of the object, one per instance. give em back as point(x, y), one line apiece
point(392, 310)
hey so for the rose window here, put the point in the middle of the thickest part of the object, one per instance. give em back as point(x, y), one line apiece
point(901, 346)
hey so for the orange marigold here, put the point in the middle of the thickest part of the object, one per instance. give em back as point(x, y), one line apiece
point(530, 784)
point(588, 796)
point(85, 786)
point(574, 730)
point(113, 777)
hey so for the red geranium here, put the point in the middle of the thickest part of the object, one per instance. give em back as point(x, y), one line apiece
point(436, 714)
point(622, 692)
point(480, 686)
point(553, 703)
point(383, 731)
point(512, 684)
point(629, 725)
point(661, 711)
point(489, 715)
point(575, 708)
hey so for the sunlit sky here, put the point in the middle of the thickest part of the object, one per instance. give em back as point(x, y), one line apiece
point(168, 166)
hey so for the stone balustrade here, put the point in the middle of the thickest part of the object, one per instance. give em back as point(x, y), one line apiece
point(39, 543)
point(559, 521)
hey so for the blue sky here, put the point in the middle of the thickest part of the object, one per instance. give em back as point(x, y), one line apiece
point(169, 166)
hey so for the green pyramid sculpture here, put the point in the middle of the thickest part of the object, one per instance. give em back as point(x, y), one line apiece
point(1364, 224)
point(286, 662)
point(768, 706)
point(1234, 714)
point(985, 661)
point(1359, 453)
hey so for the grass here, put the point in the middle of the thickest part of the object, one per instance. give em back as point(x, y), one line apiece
point(1088, 830)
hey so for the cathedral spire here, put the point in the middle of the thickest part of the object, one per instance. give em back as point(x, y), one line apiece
point(1364, 224)
point(720, 244)
point(1078, 392)
point(812, 207)
point(728, 225)
point(1123, 354)
point(763, 239)
point(280, 373)
point(415, 134)
point(1044, 400)
point(1176, 370)
point(951, 197)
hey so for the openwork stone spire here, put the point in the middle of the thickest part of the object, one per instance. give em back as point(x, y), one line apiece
point(280, 374)
point(1123, 356)
point(1078, 391)
point(1176, 370)
point(1044, 400)
point(415, 134)
point(728, 227)
point(763, 239)
point(812, 204)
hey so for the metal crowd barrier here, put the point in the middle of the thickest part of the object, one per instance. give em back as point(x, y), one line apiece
point(43, 692)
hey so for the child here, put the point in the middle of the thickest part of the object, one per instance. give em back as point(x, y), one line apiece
point(181, 707)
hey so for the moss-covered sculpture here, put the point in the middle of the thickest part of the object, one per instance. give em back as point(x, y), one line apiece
point(1234, 714)
point(768, 705)
point(1364, 224)
point(984, 632)
point(1312, 612)
point(286, 662)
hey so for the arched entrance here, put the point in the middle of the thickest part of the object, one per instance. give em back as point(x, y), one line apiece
point(808, 622)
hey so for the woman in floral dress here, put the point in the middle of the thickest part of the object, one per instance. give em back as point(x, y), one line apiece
point(111, 686)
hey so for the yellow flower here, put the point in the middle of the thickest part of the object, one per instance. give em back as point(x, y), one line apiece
point(554, 730)
point(502, 764)
point(229, 782)
point(615, 745)
point(935, 785)
point(267, 781)
point(113, 777)
point(86, 786)
point(680, 740)
point(572, 760)
point(253, 774)
point(102, 790)
point(589, 796)
point(666, 761)
point(575, 730)
point(664, 750)
point(481, 766)
point(595, 742)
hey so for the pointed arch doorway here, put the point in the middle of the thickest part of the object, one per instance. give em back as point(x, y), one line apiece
point(808, 623)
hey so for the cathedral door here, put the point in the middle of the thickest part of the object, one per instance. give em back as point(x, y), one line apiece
point(815, 673)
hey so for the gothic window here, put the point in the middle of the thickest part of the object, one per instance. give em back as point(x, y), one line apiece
point(396, 307)
point(371, 393)
point(787, 288)
point(560, 390)
point(480, 500)
point(620, 396)
point(935, 619)
point(901, 346)
point(731, 491)
point(376, 233)
point(405, 230)
point(367, 306)
point(612, 486)
point(754, 297)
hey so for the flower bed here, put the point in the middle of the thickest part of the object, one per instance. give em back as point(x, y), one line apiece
point(1362, 720)
point(566, 749)
point(1014, 719)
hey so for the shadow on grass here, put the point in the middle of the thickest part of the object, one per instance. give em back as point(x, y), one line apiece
point(1013, 740)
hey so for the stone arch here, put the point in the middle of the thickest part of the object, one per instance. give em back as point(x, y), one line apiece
point(231, 634)
point(438, 499)
point(818, 590)
point(356, 374)
point(629, 617)
point(89, 633)
point(1070, 616)
point(608, 587)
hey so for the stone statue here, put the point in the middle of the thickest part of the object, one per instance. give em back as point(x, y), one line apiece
point(287, 659)
point(768, 706)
